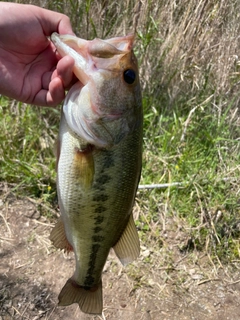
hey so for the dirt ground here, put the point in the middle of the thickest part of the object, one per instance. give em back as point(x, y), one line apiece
point(32, 274)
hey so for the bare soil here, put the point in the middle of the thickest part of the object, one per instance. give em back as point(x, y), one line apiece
point(164, 283)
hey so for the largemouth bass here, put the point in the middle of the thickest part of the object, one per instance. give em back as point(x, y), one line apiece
point(99, 163)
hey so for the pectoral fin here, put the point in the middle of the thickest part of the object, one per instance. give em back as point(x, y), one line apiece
point(58, 237)
point(127, 248)
point(83, 166)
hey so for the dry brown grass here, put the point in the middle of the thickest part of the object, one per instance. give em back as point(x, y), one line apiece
point(194, 46)
point(184, 47)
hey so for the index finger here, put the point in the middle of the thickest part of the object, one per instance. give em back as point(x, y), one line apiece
point(52, 21)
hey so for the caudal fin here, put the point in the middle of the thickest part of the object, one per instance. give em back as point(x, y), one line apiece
point(89, 301)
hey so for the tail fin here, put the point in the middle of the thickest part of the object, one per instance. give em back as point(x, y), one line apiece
point(90, 301)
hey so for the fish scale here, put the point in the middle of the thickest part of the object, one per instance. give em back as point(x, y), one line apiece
point(99, 165)
point(86, 211)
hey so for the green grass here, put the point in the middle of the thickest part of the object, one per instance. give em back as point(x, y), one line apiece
point(201, 151)
point(26, 155)
point(190, 77)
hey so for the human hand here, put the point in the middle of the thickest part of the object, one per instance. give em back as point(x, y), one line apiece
point(30, 69)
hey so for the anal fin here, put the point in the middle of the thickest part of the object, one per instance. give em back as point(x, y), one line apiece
point(58, 237)
point(89, 301)
point(127, 248)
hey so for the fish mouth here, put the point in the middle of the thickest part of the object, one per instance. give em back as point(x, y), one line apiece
point(74, 47)
point(89, 54)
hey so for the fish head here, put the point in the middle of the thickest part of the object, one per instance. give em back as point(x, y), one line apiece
point(104, 106)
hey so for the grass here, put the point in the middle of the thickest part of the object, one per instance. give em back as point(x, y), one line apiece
point(27, 139)
point(190, 73)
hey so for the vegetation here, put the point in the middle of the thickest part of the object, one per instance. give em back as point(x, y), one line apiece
point(190, 73)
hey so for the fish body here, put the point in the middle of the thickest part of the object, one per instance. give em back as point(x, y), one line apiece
point(99, 163)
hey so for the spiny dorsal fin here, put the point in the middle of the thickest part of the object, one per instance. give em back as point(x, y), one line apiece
point(128, 247)
point(58, 237)
point(89, 301)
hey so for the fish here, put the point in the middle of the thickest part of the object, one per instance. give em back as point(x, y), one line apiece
point(99, 161)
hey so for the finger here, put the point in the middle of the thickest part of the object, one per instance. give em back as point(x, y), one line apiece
point(46, 79)
point(55, 83)
point(54, 22)
point(65, 26)
point(65, 71)
point(51, 97)
point(56, 92)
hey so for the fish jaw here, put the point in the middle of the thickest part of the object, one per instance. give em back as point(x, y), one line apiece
point(64, 49)
point(110, 107)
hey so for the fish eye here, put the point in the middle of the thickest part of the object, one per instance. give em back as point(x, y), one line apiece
point(129, 76)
